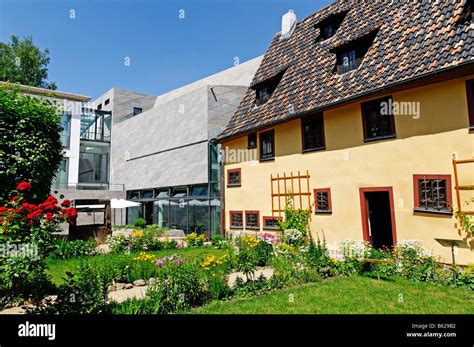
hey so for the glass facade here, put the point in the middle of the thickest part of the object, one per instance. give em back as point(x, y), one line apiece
point(66, 133)
point(192, 208)
point(61, 178)
point(94, 162)
point(95, 125)
point(94, 152)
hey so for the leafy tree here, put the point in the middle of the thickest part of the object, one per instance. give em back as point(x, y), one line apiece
point(30, 144)
point(22, 62)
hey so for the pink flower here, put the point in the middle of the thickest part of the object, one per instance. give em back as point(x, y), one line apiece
point(179, 261)
point(160, 262)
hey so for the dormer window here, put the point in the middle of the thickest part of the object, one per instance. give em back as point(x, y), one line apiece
point(469, 11)
point(265, 89)
point(348, 61)
point(328, 27)
point(350, 56)
point(263, 94)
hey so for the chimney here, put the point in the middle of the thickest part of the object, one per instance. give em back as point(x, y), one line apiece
point(288, 24)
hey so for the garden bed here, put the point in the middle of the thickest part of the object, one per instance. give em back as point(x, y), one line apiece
point(58, 268)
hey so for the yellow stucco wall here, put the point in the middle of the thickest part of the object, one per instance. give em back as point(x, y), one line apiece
point(422, 146)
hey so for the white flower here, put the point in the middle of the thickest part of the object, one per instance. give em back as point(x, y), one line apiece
point(353, 248)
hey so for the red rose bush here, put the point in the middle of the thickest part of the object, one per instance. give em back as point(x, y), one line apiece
point(26, 239)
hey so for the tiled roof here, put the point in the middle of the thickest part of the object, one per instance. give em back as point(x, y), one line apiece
point(414, 38)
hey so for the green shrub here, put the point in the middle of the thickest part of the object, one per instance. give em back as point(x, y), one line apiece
point(217, 285)
point(318, 258)
point(84, 292)
point(465, 277)
point(195, 240)
point(290, 271)
point(179, 287)
point(219, 241)
point(149, 305)
point(31, 148)
point(259, 286)
point(140, 223)
point(171, 244)
point(245, 255)
point(295, 219)
point(264, 251)
point(414, 262)
point(139, 240)
point(71, 249)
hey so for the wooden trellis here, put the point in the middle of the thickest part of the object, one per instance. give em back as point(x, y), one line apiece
point(285, 188)
point(459, 187)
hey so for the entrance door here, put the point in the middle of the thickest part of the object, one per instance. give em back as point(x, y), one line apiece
point(149, 212)
point(378, 218)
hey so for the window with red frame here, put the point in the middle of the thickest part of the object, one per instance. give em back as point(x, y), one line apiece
point(432, 193)
point(234, 178)
point(252, 220)
point(470, 102)
point(322, 200)
point(236, 219)
point(270, 223)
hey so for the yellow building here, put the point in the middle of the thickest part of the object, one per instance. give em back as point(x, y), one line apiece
point(357, 113)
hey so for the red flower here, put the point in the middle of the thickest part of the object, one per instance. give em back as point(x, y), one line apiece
point(3, 209)
point(49, 216)
point(23, 186)
point(50, 204)
point(52, 200)
point(71, 215)
point(13, 199)
point(66, 203)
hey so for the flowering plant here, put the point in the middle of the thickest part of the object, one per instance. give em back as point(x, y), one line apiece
point(212, 262)
point(293, 237)
point(249, 241)
point(285, 249)
point(170, 259)
point(144, 257)
point(353, 249)
point(270, 239)
point(27, 225)
point(195, 240)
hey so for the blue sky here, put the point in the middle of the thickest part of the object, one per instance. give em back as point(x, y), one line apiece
point(88, 52)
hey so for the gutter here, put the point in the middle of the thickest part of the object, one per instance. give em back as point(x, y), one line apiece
point(48, 92)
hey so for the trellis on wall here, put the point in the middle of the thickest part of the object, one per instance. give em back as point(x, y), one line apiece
point(458, 187)
point(293, 186)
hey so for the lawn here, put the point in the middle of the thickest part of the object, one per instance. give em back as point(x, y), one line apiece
point(352, 295)
point(57, 268)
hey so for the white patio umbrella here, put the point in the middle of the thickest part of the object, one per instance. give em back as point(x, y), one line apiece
point(122, 203)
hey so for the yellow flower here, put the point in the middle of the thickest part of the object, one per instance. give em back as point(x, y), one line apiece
point(137, 234)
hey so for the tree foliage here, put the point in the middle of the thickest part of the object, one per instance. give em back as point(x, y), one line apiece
point(23, 62)
point(30, 144)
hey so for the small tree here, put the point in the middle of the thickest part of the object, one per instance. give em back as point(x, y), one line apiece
point(23, 62)
point(30, 143)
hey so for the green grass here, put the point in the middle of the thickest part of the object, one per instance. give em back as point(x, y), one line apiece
point(352, 295)
point(57, 268)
